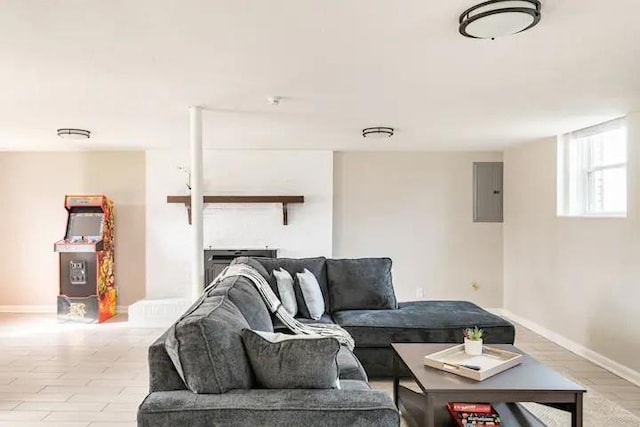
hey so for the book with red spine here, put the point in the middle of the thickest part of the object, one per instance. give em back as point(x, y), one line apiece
point(472, 407)
point(474, 414)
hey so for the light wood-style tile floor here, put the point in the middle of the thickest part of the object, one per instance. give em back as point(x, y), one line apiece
point(72, 375)
point(572, 366)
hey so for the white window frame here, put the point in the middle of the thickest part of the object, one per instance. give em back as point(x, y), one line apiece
point(576, 172)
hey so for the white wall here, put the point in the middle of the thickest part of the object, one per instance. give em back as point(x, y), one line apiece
point(416, 208)
point(32, 218)
point(577, 277)
point(306, 173)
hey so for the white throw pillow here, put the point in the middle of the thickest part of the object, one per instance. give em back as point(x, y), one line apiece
point(311, 293)
point(284, 282)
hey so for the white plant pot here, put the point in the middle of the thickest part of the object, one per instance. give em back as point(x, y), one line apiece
point(473, 347)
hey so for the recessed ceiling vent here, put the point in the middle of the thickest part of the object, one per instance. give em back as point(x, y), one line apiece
point(497, 18)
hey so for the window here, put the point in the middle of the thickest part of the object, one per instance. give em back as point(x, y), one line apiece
point(592, 171)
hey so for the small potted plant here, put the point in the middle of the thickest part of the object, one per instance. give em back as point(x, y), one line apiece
point(473, 341)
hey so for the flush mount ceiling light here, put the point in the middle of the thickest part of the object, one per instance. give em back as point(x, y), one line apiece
point(377, 132)
point(496, 18)
point(77, 134)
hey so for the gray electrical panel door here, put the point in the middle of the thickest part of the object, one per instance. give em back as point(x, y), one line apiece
point(487, 191)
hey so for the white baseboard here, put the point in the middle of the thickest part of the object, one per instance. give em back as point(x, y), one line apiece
point(496, 311)
point(592, 356)
point(28, 308)
point(45, 309)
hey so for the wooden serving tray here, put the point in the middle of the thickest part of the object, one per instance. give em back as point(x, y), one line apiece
point(491, 362)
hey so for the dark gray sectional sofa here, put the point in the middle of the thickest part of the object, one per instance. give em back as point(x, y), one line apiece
point(221, 391)
point(374, 329)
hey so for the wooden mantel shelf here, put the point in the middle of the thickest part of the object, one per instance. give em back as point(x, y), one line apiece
point(285, 200)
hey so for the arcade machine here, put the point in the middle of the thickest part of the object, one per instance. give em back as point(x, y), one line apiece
point(87, 285)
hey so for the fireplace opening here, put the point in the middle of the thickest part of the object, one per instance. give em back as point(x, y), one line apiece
point(215, 260)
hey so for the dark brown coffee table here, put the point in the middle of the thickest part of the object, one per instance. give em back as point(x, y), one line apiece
point(531, 381)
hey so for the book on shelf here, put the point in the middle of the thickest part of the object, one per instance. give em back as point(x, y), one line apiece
point(473, 414)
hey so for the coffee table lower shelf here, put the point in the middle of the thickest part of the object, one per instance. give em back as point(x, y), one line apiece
point(412, 407)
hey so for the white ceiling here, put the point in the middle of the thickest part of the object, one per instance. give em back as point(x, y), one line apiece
point(128, 69)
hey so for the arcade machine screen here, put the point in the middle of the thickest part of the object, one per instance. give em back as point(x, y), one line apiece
point(85, 225)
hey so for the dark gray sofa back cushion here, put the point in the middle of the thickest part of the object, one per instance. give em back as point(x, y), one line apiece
point(360, 284)
point(244, 295)
point(297, 265)
point(253, 262)
point(206, 348)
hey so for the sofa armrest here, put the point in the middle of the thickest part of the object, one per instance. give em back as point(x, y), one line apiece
point(162, 374)
point(240, 408)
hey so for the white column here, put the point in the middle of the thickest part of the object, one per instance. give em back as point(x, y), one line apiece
point(197, 245)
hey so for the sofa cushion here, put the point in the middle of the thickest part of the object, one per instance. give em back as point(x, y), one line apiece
point(349, 366)
point(206, 348)
point(284, 283)
point(292, 361)
point(354, 406)
point(244, 295)
point(312, 299)
point(253, 262)
point(360, 284)
point(296, 265)
point(423, 321)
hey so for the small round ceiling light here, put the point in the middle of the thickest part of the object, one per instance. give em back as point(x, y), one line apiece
point(497, 18)
point(377, 132)
point(76, 134)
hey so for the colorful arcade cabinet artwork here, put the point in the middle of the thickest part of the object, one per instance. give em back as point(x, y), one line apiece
point(87, 285)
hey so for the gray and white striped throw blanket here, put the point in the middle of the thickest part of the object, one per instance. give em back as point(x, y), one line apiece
point(275, 306)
